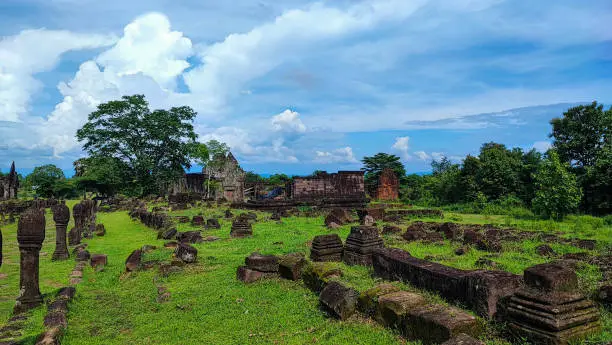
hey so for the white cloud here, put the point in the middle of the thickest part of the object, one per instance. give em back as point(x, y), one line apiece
point(31, 52)
point(240, 58)
point(288, 121)
point(437, 156)
point(150, 47)
point(542, 146)
point(341, 155)
point(402, 145)
point(422, 155)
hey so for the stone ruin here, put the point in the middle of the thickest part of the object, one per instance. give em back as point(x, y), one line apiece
point(338, 217)
point(157, 221)
point(241, 227)
point(550, 309)
point(326, 248)
point(30, 235)
point(61, 217)
point(478, 290)
point(84, 214)
point(9, 185)
point(388, 185)
point(258, 266)
point(360, 244)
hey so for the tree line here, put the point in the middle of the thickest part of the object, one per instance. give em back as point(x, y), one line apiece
point(575, 174)
point(136, 151)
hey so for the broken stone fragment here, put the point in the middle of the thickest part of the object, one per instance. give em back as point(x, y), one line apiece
point(463, 339)
point(99, 260)
point(338, 300)
point(368, 299)
point(186, 253)
point(291, 266)
point(437, 324)
point(393, 307)
point(248, 275)
point(317, 274)
point(133, 261)
point(262, 263)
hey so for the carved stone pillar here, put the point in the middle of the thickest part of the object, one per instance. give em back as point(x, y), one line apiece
point(30, 235)
point(61, 217)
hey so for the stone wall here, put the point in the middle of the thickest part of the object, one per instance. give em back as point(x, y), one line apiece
point(341, 185)
point(478, 290)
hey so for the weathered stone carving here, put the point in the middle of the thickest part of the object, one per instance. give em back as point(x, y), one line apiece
point(360, 244)
point(61, 217)
point(241, 227)
point(550, 309)
point(326, 248)
point(30, 235)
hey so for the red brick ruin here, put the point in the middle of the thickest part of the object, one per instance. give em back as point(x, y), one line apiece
point(388, 185)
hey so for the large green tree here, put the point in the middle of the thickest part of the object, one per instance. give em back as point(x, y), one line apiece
point(45, 180)
point(583, 138)
point(557, 192)
point(104, 175)
point(154, 145)
point(373, 167)
point(499, 172)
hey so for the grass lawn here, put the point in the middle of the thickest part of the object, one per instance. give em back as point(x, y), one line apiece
point(209, 306)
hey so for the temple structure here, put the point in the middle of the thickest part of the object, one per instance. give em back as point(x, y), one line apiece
point(388, 185)
point(9, 185)
point(226, 179)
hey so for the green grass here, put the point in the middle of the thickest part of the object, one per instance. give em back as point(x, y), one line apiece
point(209, 306)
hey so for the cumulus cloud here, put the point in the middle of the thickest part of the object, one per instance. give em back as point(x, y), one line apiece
point(240, 58)
point(422, 155)
point(437, 156)
point(542, 146)
point(341, 155)
point(402, 146)
point(31, 52)
point(146, 60)
point(289, 122)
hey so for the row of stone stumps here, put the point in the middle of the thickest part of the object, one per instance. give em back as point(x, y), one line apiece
point(30, 236)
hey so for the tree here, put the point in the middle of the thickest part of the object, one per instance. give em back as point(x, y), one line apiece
point(154, 145)
point(105, 175)
point(557, 192)
point(582, 133)
point(583, 136)
point(44, 179)
point(499, 170)
point(373, 167)
point(445, 181)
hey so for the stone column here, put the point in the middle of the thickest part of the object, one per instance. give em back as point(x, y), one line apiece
point(30, 235)
point(61, 217)
point(76, 233)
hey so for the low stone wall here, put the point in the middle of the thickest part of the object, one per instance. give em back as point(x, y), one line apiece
point(478, 290)
point(153, 220)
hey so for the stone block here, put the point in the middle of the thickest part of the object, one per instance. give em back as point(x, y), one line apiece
point(291, 266)
point(463, 339)
point(393, 307)
point(99, 260)
point(262, 263)
point(437, 324)
point(368, 299)
point(133, 261)
point(186, 253)
point(317, 275)
point(485, 289)
point(338, 300)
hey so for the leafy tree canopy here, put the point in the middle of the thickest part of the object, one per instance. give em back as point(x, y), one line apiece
point(44, 179)
point(154, 145)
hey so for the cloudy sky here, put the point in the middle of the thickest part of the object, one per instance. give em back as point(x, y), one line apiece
point(293, 86)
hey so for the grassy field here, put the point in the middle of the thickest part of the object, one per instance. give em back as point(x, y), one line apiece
point(209, 306)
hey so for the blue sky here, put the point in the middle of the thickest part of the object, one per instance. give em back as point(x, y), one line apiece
point(294, 86)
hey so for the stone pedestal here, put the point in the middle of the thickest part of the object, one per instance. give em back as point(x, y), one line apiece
point(360, 244)
point(241, 227)
point(550, 309)
point(326, 248)
point(61, 217)
point(30, 235)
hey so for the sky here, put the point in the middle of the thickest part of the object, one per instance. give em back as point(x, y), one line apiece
point(295, 86)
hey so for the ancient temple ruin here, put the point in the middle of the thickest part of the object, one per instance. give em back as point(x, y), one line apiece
point(388, 185)
point(227, 181)
point(9, 185)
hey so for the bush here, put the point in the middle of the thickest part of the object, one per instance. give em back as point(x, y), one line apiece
point(608, 220)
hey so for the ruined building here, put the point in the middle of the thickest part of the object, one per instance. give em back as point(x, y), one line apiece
point(9, 185)
point(227, 181)
point(388, 185)
point(341, 189)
